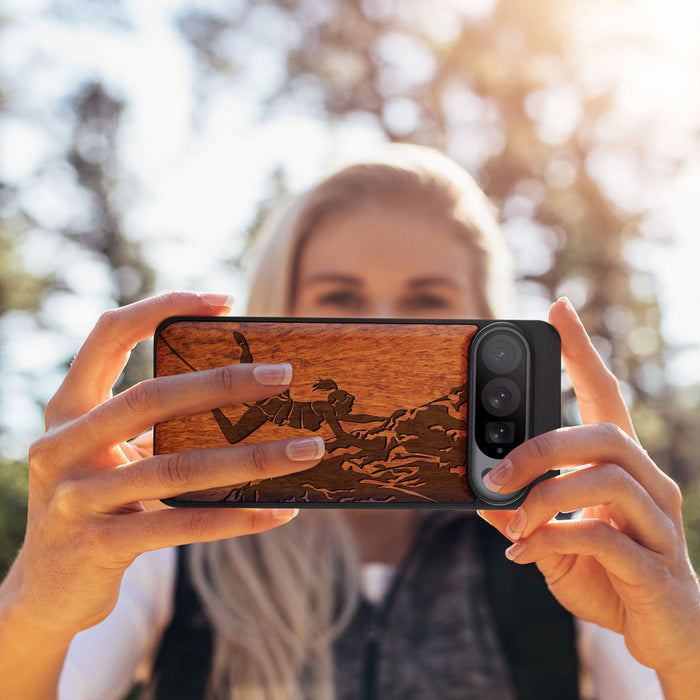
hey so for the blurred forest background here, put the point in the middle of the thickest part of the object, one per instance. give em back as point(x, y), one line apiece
point(580, 119)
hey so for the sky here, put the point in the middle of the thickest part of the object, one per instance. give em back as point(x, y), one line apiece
point(186, 184)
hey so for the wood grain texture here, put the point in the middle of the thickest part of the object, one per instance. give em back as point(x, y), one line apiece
point(388, 399)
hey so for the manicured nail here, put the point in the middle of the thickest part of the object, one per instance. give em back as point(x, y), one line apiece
point(515, 550)
point(516, 525)
point(273, 375)
point(569, 306)
point(304, 449)
point(285, 514)
point(218, 299)
point(499, 476)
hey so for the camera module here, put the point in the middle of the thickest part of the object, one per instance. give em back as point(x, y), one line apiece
point(505, 357)
point(500, 389)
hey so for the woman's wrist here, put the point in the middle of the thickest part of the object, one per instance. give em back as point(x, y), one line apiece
point(682, 680)
point(17, 614)
point(31, 663)
point(33, 653)
point(681, 684)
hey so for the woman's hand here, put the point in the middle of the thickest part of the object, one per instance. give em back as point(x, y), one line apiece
point(624, 564)
point(87, 518)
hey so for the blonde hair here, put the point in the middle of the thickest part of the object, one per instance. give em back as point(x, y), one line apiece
point(416, 176)
point(277, 600)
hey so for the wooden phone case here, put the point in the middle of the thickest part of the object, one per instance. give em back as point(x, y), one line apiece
point(388, 398)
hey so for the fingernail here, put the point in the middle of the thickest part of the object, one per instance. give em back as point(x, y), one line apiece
point(515, 550)
point(516, 525)
point(285, 513)
point(569, 306)
point(218, 299)
point(499, 476)
point(303, 449)
point(273, 375)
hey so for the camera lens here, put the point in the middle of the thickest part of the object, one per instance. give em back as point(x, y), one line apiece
point(500, 396)
point(502, 353)
point(499, 432)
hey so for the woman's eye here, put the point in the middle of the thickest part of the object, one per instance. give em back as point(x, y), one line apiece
point(341, 300)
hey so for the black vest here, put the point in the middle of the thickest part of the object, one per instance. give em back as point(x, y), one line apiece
point(534, 634)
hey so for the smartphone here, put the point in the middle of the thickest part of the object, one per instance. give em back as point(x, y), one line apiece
point(413, 413)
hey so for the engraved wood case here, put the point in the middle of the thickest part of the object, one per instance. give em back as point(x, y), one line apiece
point(388, 398)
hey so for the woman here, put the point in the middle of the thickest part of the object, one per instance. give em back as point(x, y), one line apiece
point(410, 236)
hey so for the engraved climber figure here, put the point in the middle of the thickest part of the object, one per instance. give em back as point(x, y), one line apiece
point(284, 410)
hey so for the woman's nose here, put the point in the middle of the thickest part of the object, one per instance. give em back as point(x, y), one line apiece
point(382, 308)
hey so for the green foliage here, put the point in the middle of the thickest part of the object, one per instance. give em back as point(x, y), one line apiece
point(691, 521)
point(18, 289)
point(14, 484)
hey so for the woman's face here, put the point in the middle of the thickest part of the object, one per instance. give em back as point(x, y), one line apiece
point(385, 261)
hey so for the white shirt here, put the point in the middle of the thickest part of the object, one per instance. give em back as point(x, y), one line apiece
point(104, 661)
